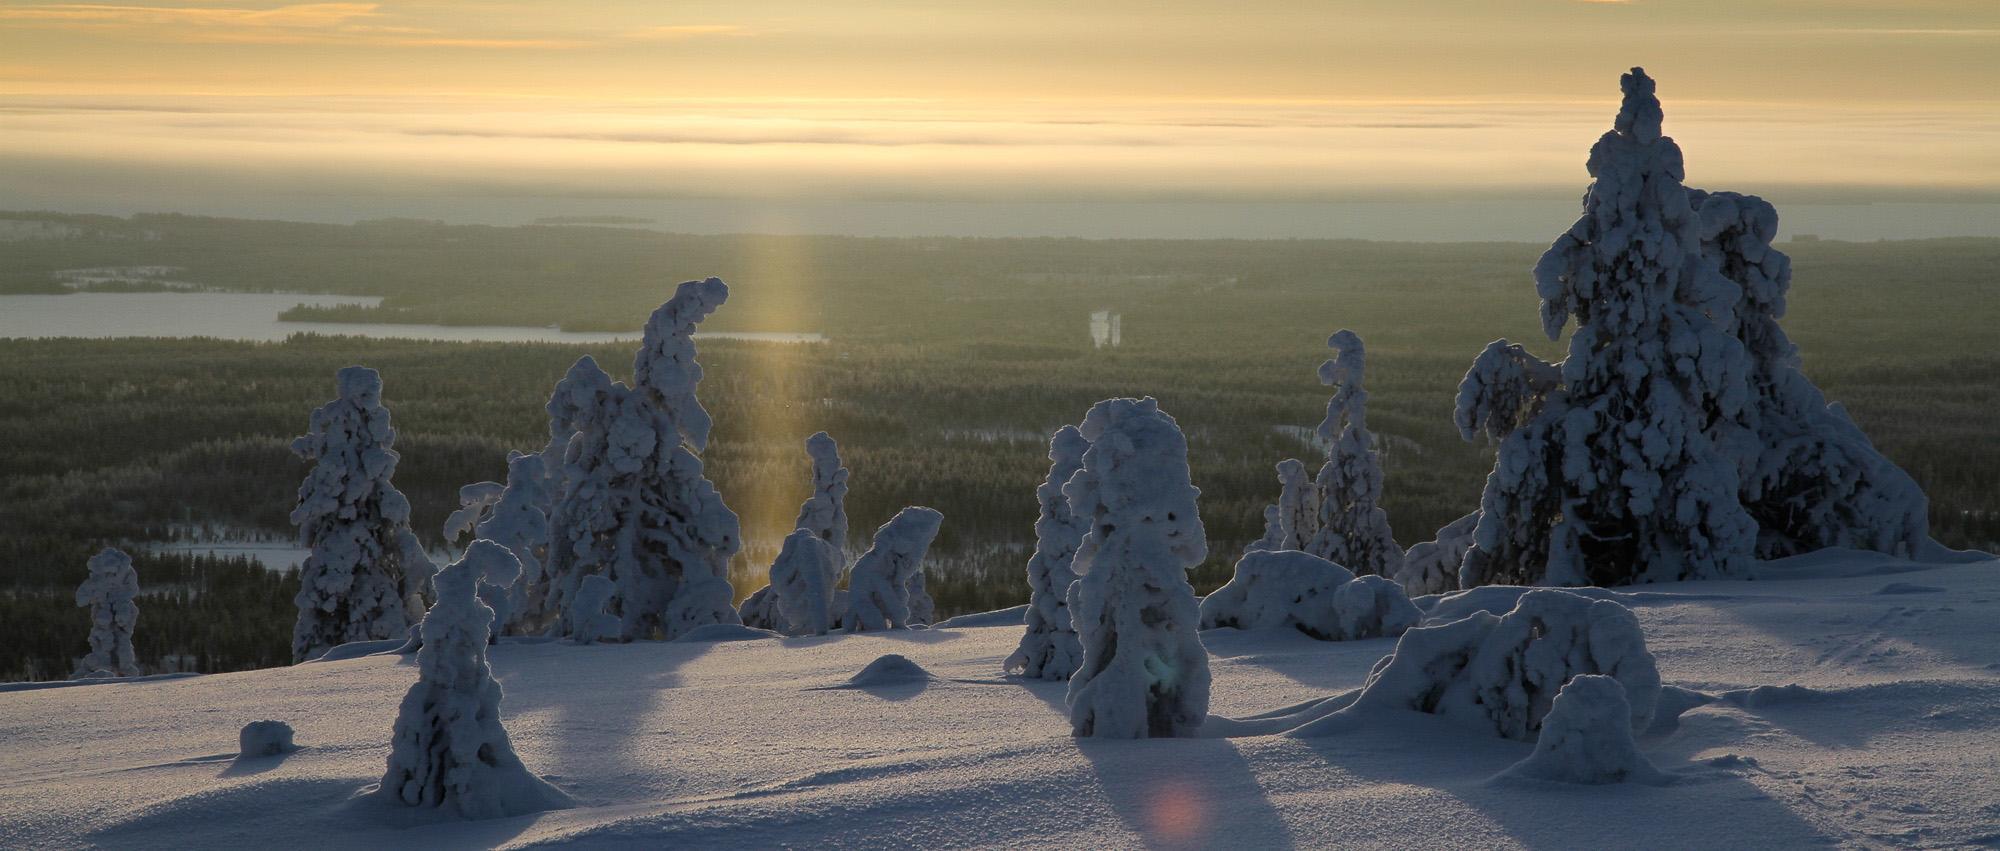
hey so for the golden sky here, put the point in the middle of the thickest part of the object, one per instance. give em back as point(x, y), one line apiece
point(1168, 98)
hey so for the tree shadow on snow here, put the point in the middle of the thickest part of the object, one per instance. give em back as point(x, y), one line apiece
point(1185, 793)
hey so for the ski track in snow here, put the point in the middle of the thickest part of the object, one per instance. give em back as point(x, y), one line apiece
point(1888, 740)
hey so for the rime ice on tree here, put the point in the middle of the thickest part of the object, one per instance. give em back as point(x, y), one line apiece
point(878, 589)
point(1814, 480)
point(110, 591)
point(1145, 672)
point(1622, 473)
point(1049, 649)
point(636, 507)
point(1352, 529)
point(367, 574)
point(449, 748)
point(520, 523)
point(824, 514)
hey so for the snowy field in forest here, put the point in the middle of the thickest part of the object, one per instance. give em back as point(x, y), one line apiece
point(1854, 700)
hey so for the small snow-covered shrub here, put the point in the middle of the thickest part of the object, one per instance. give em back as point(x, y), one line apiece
point(110, 591)
point(1288, 589)
point(449, 748)
point(878, 589)
point(1145, 671)
point(367, 575)
point(1587, 738)
point(1432, 566)
point(1352, 529)
point(1049, 648)
point(264, 738)
point(1502, 672)
point(801, 590)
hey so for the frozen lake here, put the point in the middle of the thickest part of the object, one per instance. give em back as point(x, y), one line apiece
point(254, 316)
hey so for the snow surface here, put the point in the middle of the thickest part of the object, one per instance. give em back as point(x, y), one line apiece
point(1889, 742)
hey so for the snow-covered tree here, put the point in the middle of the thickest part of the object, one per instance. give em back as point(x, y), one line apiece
point(878, 589)
point(110, 591)
point(1813, 480)
point(1049, 648)
point(520, 523)
point(800, 591)
point(824, 514)
point(1587, 738)
point(449, 748)
point(636, 507)
point(1432, 566)
point(1500, 672)
point(1288, 589)
point(475, 504)
point(1352, 530)
point(1145, 672)
point(1294, 521)
point(1622, 473)
point(367, 575)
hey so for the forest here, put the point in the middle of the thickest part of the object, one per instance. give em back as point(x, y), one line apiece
point(949, 363)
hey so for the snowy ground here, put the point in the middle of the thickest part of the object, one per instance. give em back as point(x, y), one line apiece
point(1893, 740)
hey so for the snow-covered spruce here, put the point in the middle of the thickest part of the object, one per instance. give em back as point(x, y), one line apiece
point(475, 504)
point(1294, 521)
point(1813, 479)
point(824, 514)
point(1145, 671)
point(636, 507)
point(367, 575)
point(801, 594)
point(1623, 473)
point(1432, 566)
point(1288, 589)
point(1049, 648)
point(449, 749)
point(520, 523)
point(878, 589)
point(109, 591)
point(1500, 672)
point(1352, 529)
point(1587, 738)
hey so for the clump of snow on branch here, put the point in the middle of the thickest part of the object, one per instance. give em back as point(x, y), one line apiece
point(367, 575)
point(450, 750)
point(1500, 673)
point(475, 504)
point(1814, 480)
point(801, 591)
point(636, 507)
point(1587, 738)
point(1623, 473)
point(1145, 671)
point(110, 591)
point(1288, 589)
point(1432, 566)
point(1352, 529)
point(519, 522)
point(878, 589)
point(1049, 648)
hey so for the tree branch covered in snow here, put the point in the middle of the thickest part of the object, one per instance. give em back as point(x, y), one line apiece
point(367, 574)
point(1145, 672)
point(110, 592)
point(1049, 648)
point(878, 589)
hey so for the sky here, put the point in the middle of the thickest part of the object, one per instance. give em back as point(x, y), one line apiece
point(169, 103)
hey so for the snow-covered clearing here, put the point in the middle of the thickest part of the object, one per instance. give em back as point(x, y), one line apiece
point(1889, 740)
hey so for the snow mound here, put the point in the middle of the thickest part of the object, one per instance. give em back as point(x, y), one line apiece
point(264, 738)
point(1010, 616)
point(1502, 673)
point(1908, 588)
point(1762, 696)
point(1288, 589)
point(890, 669)
point(1587, 738)
point(724, 632)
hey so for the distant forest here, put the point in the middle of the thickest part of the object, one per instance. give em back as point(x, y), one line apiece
point(949, 363)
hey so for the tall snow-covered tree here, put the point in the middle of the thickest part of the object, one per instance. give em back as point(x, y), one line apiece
point(878, 589)
point(800, 590)
point(1813, 479)
point(450, 749)
point(1622, 473)
point(1352, 529)
point(110, 591)
point(1145, 671)
point(367, 575)
point(636, 507)
point(824, 514)
point(520, 523)
point(1293, 522)
point(1049, 649)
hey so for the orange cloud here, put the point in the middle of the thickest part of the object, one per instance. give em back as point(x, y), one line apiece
point(675, 32)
